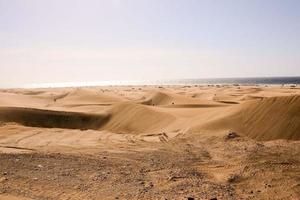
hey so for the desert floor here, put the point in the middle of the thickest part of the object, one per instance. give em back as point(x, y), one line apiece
point(150, 142)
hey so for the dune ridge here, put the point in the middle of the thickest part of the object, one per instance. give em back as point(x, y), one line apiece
point(52, 119)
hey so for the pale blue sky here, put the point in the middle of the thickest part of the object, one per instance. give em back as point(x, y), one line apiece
point(96, 40)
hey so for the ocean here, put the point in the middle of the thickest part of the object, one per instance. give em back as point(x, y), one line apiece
point(242, 81)
point(253, 80)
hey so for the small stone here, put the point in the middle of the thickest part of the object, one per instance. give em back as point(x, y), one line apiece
point(35, 179)
point(2, 179)
point(149, 185)
point(76, 187)
point(232, 135)
point(40, 166)
point(4, 173)
point(172, 178)
point(232, 178)
point(142, 183)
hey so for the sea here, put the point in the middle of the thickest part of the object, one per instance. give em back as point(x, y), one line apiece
point(202, 81)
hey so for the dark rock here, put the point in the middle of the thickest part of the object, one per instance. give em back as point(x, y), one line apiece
point(232, 178)
point(232, 135)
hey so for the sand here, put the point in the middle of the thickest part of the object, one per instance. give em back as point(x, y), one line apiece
point(150, 142)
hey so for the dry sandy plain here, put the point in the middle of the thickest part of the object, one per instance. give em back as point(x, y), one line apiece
point(150, 142)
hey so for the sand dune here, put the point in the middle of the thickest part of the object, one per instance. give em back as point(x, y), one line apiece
point(20, 100)
point(86, 96)
point(175, 100)
point(135, 118)
point(267, 119)
point(158, 98)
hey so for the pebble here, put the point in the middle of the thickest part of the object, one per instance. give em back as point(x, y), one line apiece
point(2, 179)
point(232, 135)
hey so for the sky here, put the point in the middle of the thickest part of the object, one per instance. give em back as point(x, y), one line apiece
point(52, 41)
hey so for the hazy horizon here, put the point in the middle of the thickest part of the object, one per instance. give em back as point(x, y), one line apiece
point(93, 41)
